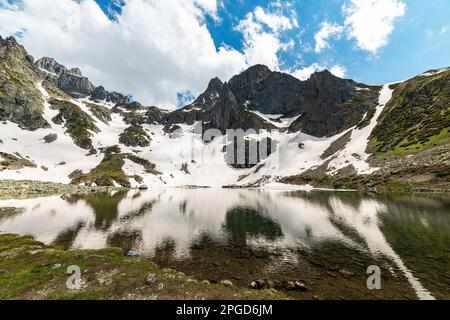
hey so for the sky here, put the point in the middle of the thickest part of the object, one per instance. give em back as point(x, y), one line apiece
point(164, 52)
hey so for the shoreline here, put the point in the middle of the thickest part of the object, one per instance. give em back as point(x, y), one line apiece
point(20, 189)
point(32, 270)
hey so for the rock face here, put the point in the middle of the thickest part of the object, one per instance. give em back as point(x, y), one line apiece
point(71, 81)
point(20, 100)
point(327, 104)
point(100, 94)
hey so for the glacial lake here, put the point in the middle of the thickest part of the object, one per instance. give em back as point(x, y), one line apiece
point(327, 240)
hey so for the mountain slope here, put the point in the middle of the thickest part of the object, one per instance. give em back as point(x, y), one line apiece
point(323, 105)
point(417, 116)
point(20, 100)
point(324, 131)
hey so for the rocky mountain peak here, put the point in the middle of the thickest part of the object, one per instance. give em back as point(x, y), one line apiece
point(255, 73)
point(76, 72)
point(13, 48)
point(100, 94)
point(50, 65)
point(215, 84)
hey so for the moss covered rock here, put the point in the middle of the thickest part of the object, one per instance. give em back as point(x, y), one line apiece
point(135, 136)
point(79, 124)
point(20, 100)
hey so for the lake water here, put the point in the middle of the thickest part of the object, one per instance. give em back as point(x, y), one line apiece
point(325, 239)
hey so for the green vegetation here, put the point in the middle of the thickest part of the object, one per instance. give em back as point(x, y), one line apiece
point(100, 112)
point(78, 123)
point(20, 100)
point(31, 270)
point(54, 91)
point(373, 183)
point(148, 166)
point(417, 117)
point(135, 136)
point(407, 146)
point(109, 172)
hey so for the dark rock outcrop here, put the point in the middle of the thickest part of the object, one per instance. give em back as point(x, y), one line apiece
point(79, 125)
point(134, 136)
point(100, 94)
point(327, 104)
point(71, 81)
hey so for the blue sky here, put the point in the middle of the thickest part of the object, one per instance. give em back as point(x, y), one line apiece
point(420, 40)
point(164, 52)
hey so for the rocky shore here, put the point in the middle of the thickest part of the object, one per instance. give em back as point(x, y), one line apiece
point(20, 189)
point(425, 171)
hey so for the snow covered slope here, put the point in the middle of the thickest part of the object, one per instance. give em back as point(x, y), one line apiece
point(181, 157)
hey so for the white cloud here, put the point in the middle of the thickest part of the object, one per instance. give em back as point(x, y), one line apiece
point(305, 72)
point(154, 49)
point(326, 31)
point(338, 71)
point(262, 30)
point(276, 22)
point(371, 22)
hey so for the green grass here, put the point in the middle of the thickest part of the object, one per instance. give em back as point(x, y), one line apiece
point(109, 171)
point(406, 146)
point(24, 274)
point(417, 117)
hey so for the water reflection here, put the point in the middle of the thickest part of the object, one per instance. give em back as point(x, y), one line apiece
point(171, 224)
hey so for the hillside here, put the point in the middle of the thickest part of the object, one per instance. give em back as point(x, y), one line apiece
point(57, 126)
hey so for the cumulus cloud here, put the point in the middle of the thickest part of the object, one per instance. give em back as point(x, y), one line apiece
point(305, 72)
point(326, 31)
point(371, 22)
point(261, 30)
point(338, 71)
point(153, 49)
point(161, 52)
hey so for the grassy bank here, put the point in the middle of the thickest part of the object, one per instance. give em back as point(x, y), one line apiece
point(31, 270)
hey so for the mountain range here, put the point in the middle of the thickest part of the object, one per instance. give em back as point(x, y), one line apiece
point(56, 125)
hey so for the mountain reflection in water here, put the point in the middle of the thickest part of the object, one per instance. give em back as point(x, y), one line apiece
point(170, 224)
